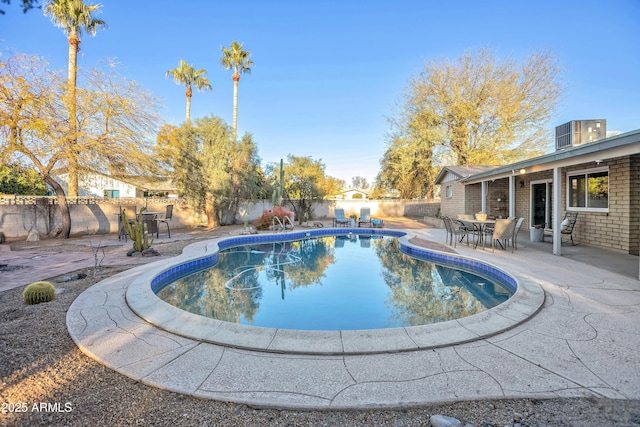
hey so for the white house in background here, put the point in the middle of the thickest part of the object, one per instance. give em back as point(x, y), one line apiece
point(96, 184)
point(354, 194)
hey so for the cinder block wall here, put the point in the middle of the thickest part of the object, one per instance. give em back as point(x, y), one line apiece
point(102, 218)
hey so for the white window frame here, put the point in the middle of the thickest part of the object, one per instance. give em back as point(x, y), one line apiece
point(585, 173)
point(448, 191)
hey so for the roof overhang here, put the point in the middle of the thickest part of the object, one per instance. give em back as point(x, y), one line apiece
point(625, 144)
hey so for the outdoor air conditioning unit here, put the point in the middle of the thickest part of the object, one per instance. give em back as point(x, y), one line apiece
point(578, 132)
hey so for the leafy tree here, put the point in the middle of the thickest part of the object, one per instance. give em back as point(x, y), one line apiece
point(18, 179)
point(116, 117)
point(483, 110)
point(185, 74)
point(167, 148)
point(304, 185)
point(75, 18)
point(237, 59)
point(333, 186)
point(359, 182)
point(214, 173)
point(408, 168)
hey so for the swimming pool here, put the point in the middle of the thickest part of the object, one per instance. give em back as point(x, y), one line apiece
point(143, 301)
point(340, 282)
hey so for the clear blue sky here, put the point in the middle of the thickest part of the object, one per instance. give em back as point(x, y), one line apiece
point(329, 73)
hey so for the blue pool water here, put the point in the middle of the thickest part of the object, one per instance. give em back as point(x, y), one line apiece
point(343, 282)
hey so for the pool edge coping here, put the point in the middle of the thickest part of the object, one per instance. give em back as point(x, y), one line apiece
point(142, 300)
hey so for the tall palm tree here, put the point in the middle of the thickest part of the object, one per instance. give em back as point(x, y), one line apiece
point(75, 18)
point(186, 75)
point(237, 59)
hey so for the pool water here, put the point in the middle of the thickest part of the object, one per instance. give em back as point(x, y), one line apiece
point(345, 282)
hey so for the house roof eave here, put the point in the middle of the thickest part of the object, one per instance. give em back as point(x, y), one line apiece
point(616, 146)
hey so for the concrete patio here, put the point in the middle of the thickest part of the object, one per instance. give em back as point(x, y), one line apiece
point(583, 342)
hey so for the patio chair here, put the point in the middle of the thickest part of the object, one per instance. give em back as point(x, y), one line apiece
point(472, 229)
point(455, 229)
point(168, 214)
point(339, 218)
point(365, 216)
point(566, 227)
point(447, 227)
point(503, 230)
point(516, 230)
point(150, 223)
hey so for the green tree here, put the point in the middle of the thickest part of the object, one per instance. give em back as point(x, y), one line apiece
point(214, 173)
point(75, 18)
point(304, 185)
point(185, 74)
point(407, 167)
point(237, 59)
point(18, 179)
point(485, 111)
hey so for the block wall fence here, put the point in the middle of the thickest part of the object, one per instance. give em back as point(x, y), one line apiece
point(20, 215)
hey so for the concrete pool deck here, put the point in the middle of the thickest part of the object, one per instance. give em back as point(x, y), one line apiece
point(583, 342)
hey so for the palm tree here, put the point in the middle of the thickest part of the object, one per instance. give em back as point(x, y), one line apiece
point(75, 18)
point(186, 75)
point(237, 59)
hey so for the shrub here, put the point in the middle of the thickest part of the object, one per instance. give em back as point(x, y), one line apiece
point(2, 237)
point(266, 219)
point(38, 292)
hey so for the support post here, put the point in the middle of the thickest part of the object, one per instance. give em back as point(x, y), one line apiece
point(512, 196)
point(557, 209)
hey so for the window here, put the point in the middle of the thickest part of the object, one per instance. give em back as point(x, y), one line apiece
point(588, 190)
point(448, 192)
point(112, 194)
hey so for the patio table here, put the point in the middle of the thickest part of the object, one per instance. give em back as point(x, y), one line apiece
point(479, 227)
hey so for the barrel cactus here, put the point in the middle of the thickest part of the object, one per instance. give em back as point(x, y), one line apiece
point(38, 292)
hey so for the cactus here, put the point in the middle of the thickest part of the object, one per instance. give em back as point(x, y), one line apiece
point(137, 232)
point(38, 292)
point(278, 192)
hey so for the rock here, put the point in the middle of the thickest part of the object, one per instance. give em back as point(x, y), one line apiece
point(248, 230)
point(444, 421)
point(33, 236)
point(150, 252)
point(74, 277)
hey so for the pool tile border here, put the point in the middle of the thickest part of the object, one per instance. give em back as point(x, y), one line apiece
point(142, 300)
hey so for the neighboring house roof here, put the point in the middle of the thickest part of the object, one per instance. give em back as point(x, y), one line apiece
point(460, 172)
point(355, 190)
point(625, 144)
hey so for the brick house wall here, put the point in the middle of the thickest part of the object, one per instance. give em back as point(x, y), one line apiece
point(618, 229)
point(454, 205)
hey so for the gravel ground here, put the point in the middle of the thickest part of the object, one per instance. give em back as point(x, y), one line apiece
point(47, 381)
